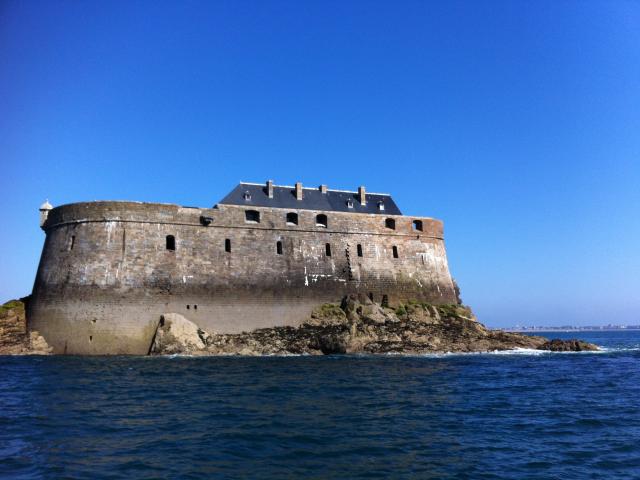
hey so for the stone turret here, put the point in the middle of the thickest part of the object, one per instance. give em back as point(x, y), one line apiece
point(44, 212)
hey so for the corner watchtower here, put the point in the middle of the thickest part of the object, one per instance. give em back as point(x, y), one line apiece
point(44, 212)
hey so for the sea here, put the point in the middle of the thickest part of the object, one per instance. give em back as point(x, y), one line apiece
point(508, 415)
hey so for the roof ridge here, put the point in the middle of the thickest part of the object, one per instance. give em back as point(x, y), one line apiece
point(314, 188)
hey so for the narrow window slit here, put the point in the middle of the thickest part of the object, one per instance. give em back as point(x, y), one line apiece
point(359, 250)
point(279, 248)
point(395, 252)
point(227, 245)
point(171, 242)
point(327, 249)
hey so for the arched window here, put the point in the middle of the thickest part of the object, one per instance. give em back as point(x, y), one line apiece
point(227, 245)
point(279, 248)
point(327, 249)
point(292, 218)
point(359, 250)
point(417, 225)
point(390, 223)
point(321, 220)
point(171, 242)
point(252, 216)
point(395, 252)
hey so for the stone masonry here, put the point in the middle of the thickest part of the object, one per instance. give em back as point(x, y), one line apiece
point(109, 270)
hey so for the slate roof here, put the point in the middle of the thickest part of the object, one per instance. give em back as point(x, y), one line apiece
point(312, 199)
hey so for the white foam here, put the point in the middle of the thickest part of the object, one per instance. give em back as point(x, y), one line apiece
point(515, 351)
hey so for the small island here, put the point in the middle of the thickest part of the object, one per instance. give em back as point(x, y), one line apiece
point(268, 270)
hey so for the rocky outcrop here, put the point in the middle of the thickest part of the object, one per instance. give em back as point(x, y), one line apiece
point(177, 335)
point(357, 325)
point(15, 339)
point(572, 345)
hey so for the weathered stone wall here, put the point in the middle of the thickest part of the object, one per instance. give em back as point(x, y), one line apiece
point(106, 276)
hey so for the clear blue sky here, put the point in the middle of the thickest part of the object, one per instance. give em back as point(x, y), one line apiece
point(517, 123)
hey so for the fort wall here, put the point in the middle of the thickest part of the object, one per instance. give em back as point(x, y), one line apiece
point(106, 273)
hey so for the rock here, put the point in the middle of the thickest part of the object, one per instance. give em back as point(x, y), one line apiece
point(15, 338)
point(331, 344)
point(327, 314)
point(374, 314)
point(357, 325)
point(177, 335)
point(573, 345)
point(38, 345)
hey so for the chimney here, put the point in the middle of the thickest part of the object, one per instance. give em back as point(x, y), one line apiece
point(323, 189)
point(298, 191)
point(270, 188)
point(362, 195)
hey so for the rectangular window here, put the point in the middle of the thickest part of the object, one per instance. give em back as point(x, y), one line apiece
point(292, 218)
point(359, 250)
point(279, 248)
point(327, 249)
point(170, 242)
point(227, 245)
point(72, 242)
point(321, 220)
point(395, 252)
point(252, 216)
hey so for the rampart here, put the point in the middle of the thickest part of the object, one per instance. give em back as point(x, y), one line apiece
point(109, 269)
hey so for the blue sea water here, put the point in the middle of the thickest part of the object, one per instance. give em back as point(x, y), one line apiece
point(518, 415)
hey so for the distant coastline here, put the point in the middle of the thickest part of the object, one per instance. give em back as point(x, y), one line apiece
point(565, 328)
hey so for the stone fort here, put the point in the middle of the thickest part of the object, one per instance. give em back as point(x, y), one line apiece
point(264, 256)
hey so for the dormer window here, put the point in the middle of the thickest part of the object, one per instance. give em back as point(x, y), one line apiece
point(247, 196)
point(381, 206)
point(350, 203)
